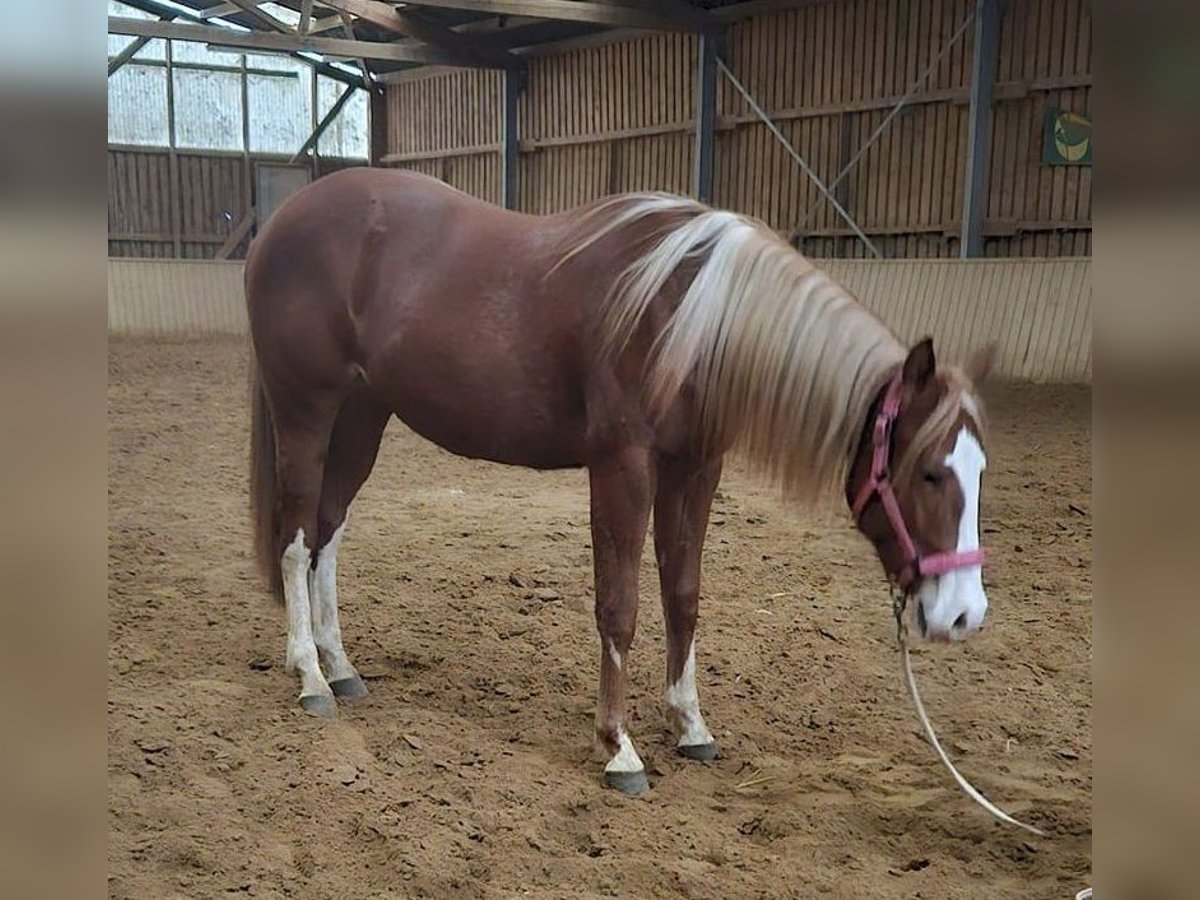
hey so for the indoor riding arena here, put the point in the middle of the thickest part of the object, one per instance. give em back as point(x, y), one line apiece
point(933, 157)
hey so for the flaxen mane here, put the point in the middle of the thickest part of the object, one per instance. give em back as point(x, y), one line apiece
point(786, 362)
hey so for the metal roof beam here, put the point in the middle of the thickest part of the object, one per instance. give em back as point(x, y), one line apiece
point(417, 26)
point(268, 41)
point(223, 9)
point(573, 11)
point(250, 8)
point(736, 11)
point(348, 28)
point(126, 55)
point(680, 10)
point(538, 31)
point(324, 68)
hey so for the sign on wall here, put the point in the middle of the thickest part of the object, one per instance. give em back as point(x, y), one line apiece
point(1067, 139)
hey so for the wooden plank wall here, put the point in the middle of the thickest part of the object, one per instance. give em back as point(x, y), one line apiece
point(462, 149)
point(1038, 311)
point(148, 216)
point(619, 117)
point(608, 119)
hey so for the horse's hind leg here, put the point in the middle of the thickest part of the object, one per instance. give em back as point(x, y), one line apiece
point(352, 451)
point(685, 492)
point(302, 430)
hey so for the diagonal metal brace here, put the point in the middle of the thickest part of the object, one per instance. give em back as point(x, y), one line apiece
point(325, 122)
point(787, 145)
point(882, 127)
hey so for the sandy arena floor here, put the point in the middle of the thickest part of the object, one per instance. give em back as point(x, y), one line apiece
point(470, 772)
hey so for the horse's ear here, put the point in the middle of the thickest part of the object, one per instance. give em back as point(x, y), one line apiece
point(980, 364)
point(920, 364)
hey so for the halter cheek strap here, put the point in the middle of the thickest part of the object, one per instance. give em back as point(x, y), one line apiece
point(879, 482)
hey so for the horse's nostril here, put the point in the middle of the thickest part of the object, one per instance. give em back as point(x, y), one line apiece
point(960, 623)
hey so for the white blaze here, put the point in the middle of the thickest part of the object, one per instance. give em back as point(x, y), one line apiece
point(954, 604)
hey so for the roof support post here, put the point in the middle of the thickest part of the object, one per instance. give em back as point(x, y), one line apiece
point(983, 78)
point(379, 125)
point(176, 193)
point(513, 81)
point(706, 115)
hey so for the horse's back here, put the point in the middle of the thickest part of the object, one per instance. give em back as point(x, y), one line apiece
point(320, 230)
point(438, 299)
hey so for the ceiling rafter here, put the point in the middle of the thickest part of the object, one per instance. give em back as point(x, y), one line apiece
point(251, 8)
point(222, 9)
point(323, 67)
point(414, 25)
point(397, 36)
point(348, 27)
point(574, 11)
point(680, 10)
point(272, 41)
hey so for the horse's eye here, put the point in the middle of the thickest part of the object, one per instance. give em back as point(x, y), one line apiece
point(933, 478)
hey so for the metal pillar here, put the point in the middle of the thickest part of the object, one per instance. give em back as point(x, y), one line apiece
point(379, 125)
point(173, 158)
point(983, 77)
point(509, 146)
point(706, 115)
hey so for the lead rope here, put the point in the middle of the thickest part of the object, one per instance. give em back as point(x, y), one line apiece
point(899, 599)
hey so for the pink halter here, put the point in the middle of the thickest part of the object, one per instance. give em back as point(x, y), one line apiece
point(879, 482)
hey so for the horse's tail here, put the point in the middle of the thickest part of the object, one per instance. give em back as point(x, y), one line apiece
point(264, 501)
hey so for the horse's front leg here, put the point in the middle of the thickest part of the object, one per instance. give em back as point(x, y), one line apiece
point(622, 489)
point(685, 492)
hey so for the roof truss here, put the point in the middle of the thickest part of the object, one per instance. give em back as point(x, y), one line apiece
point(387, 37)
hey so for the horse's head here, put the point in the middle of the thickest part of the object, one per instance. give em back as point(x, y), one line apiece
point(914, 488)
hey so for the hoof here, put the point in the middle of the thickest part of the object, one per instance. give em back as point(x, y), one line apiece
point(319, 705)
point(703, 752)
point(629, 783)
point(350, 688)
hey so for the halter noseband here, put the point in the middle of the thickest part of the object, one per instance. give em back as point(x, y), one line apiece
point(879, 482)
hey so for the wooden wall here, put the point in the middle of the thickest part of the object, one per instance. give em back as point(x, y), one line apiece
point(164, 207)
point(448, 126)
point(620, 117)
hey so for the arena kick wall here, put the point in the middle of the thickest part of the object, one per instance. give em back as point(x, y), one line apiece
point(1038, 310)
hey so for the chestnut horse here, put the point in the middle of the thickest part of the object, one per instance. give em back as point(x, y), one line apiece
point(642, 336)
